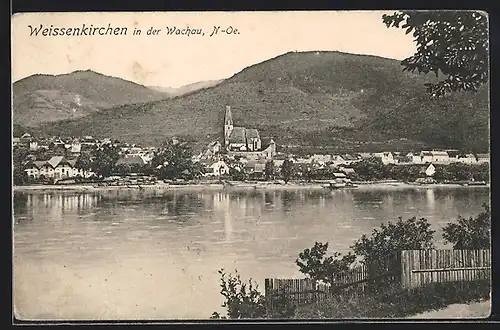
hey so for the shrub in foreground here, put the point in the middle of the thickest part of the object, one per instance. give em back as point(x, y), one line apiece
point(243, 300)
point(470, 234)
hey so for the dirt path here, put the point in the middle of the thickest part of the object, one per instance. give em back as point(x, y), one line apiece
point(459, 311)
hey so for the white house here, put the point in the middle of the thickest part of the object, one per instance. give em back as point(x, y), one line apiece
point(33, 145)
point(433, 156)
point(337, 160)
point(385, 157)
point(218, 168)
point(321, 159)
point(430, 170)
point(440, 157)
point(483, 158)
point(467, 159)
point(57, 167)
point(76, 146)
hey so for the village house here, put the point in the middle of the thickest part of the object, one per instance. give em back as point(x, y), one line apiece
point(385, 157)
point(350, 159)
point(75, 147)
point(467, 159)
point(439, 157)
point(26, 138)
point(365, 155)
point(337, 160)
point(217, 168)
point(16, 141)
point(57, 167)
point(255, 166)
point(483, 158)
point(430, 170)
point(321, 159)
point(33, 145)
point(347, 170)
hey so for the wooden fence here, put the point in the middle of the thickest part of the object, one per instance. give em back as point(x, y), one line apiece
point(420, 267)
point(407, 270)
point(354, 282)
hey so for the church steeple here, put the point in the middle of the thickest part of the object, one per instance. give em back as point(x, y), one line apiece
point(228, 118)
point(228, 126)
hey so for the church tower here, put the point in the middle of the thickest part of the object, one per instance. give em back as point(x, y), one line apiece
point(228, 126)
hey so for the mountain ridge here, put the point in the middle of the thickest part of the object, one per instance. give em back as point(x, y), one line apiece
point(305, 98)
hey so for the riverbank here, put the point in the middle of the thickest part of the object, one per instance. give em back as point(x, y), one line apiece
point(473, 310)
point(435, 300)
point(229, 186)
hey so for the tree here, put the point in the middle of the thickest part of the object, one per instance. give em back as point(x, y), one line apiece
point(379, 250)
point(84, 162)
point(370, 169)
point(19, 159)
point(306, 172)
point(237, 174)
point(454, 43)
point(269, 170)
point(470, 234)
point(287, 170)
point(104, 159)
point(174, 161)
point(312, 262)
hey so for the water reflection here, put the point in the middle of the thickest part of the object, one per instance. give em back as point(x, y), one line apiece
point(171, 243)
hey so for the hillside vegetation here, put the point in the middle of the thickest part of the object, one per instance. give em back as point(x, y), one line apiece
point(47, 98)
point(306, 98)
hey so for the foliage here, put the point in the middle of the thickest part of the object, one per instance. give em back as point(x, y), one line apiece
point(269, 170)
point(312, 262)
point(462, 172)
point(243, 300)
point(454, 43)
point(19, 158)
point(174, 161)
point(397, 302)
point(238, 175)
point(380, 249)
point(470, 234)
point(104, 159)
point(124, 169)
point(84, 162)
point(287, 170)
point(370, 169)
point(305, 172)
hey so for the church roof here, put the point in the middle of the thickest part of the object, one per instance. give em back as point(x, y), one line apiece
point(238, 135)
point(266, 141)
point(252, 133)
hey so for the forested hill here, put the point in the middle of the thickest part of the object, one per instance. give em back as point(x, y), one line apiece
point(307, 98)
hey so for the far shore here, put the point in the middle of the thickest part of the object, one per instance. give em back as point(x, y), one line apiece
point(202, 186)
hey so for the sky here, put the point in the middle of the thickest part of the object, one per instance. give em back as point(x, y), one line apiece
point(177, 60)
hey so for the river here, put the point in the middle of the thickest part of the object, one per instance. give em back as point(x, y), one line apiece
point(155, 255)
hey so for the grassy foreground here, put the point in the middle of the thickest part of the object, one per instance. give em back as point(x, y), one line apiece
point(397, 303)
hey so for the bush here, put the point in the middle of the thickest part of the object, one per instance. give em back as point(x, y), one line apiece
point(312, 263)
point(243, 300)
point(384, 245)
point(470, 234)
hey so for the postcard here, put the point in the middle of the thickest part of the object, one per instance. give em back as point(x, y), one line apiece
point(299, 165)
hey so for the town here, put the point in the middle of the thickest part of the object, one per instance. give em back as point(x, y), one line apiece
point(240, 154)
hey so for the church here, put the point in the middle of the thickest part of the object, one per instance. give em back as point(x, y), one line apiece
point(245, 141)
point(237, 138)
